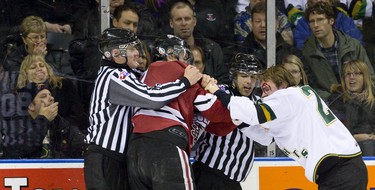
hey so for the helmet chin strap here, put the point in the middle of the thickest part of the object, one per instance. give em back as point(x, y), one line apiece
point(126, 61)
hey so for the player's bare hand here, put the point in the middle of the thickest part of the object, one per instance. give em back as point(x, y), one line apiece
point(206, 79)
point(50, 112)
point(192, 74)
point(212, 88)
point(209, 84)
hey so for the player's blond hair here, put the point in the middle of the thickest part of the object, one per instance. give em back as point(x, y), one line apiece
point(278, 75)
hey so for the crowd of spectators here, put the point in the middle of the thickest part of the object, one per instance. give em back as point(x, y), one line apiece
point(328, 44)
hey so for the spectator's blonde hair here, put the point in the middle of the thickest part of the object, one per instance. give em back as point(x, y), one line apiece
point(32, 24)
point(293, 59)
point(53, 80)
point(359, 66)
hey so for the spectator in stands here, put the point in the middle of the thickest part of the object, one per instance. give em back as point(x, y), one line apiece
point(35, 69)
point(34, 37)
point(24, 132)
point(353, 102)
point(357, 10)
point(214, 20)
point(243, 24)
point(294, 65)
point(183, 22)
point(327, 50)
point(255, 43)
point(199, 60)
point(145, 58)
point(302, 30)
point(222, 162)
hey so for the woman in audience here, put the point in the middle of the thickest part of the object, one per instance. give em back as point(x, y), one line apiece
point(33, 32)
point(294, 65)
point(35, 69)
point(353, 102)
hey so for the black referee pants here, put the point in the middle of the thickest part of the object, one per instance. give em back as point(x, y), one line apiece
point(104, 172)
point(207, 178)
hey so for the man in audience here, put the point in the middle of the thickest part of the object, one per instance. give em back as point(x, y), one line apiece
point(328, 50)
point(183, 21)
point(243, 24)
point(302, 30)
point(256, 42)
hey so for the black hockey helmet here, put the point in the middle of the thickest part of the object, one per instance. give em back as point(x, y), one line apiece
point(244, 63)
point(170, 45)
point(118, 38)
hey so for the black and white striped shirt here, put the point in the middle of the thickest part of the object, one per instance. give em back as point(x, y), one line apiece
point(115, 93)
point(232, 154)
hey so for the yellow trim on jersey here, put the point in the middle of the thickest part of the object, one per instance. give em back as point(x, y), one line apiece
point(267, 114)
point(336, 155)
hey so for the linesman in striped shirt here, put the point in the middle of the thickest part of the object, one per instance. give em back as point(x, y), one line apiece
point(116, 90)
point(222, 162)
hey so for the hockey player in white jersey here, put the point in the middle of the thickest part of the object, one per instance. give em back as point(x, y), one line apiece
point(303, 127)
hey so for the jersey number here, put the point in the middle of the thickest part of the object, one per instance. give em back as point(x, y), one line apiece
point(327, 115)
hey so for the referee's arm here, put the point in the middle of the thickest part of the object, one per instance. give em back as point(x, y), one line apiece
point(131, 92)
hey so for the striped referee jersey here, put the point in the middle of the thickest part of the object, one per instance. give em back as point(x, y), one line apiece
point(116, 91)
point(232, 154)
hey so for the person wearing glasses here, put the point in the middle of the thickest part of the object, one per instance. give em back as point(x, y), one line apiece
point(33, 32)
point(353, 102)
point(327, 50)
point(302, 30)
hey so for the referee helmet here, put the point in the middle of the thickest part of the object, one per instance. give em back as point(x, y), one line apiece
point(118, 38)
